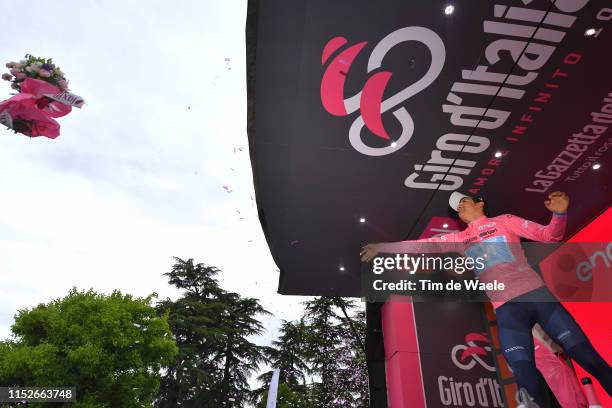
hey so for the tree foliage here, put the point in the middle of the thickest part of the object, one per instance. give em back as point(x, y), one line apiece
point(110, 347)
point(214, 330)
point(198, 350)
point(320, 359)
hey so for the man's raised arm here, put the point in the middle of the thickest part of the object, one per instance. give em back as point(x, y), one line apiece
point(558, 204)
point(444, 243)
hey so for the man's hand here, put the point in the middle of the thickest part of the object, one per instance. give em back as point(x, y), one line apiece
point(368, 252)
point(557, 202)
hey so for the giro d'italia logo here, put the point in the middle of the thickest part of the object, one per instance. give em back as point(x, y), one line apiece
point(466, 356)
point(369, 102)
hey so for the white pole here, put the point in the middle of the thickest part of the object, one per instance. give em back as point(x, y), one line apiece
point(273, 389)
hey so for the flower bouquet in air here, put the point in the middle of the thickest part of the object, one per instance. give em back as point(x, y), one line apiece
point(42, 96)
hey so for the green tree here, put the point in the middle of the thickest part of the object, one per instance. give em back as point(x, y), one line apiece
point(110, 348)
point(288, 397)
point(239, 356)
point(213, 329)
point(288, 354)
point(333, 353)
point(191, 378)
point(352, 374)
point(322, 344)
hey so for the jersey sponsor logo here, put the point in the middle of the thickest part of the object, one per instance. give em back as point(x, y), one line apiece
point(515, 348)
point(487, 225)
point(485, 233)
point(564, 335)
point(493, 251)
point(499, 238)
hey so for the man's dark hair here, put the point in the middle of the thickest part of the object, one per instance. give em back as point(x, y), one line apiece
point(478, 199)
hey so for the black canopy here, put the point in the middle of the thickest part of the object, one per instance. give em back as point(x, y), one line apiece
point(379, 110)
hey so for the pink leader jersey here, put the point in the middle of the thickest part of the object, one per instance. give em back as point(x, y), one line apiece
point(505, 263)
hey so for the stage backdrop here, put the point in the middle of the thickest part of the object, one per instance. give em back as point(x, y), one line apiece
point(380, 110)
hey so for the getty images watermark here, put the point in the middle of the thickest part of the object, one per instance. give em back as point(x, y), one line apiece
point(493, 271)
point(413, 264)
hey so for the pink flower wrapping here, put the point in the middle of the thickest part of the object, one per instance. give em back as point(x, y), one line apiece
point(33, 112)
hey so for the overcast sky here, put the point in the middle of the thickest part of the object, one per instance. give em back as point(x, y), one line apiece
point(136, 177)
